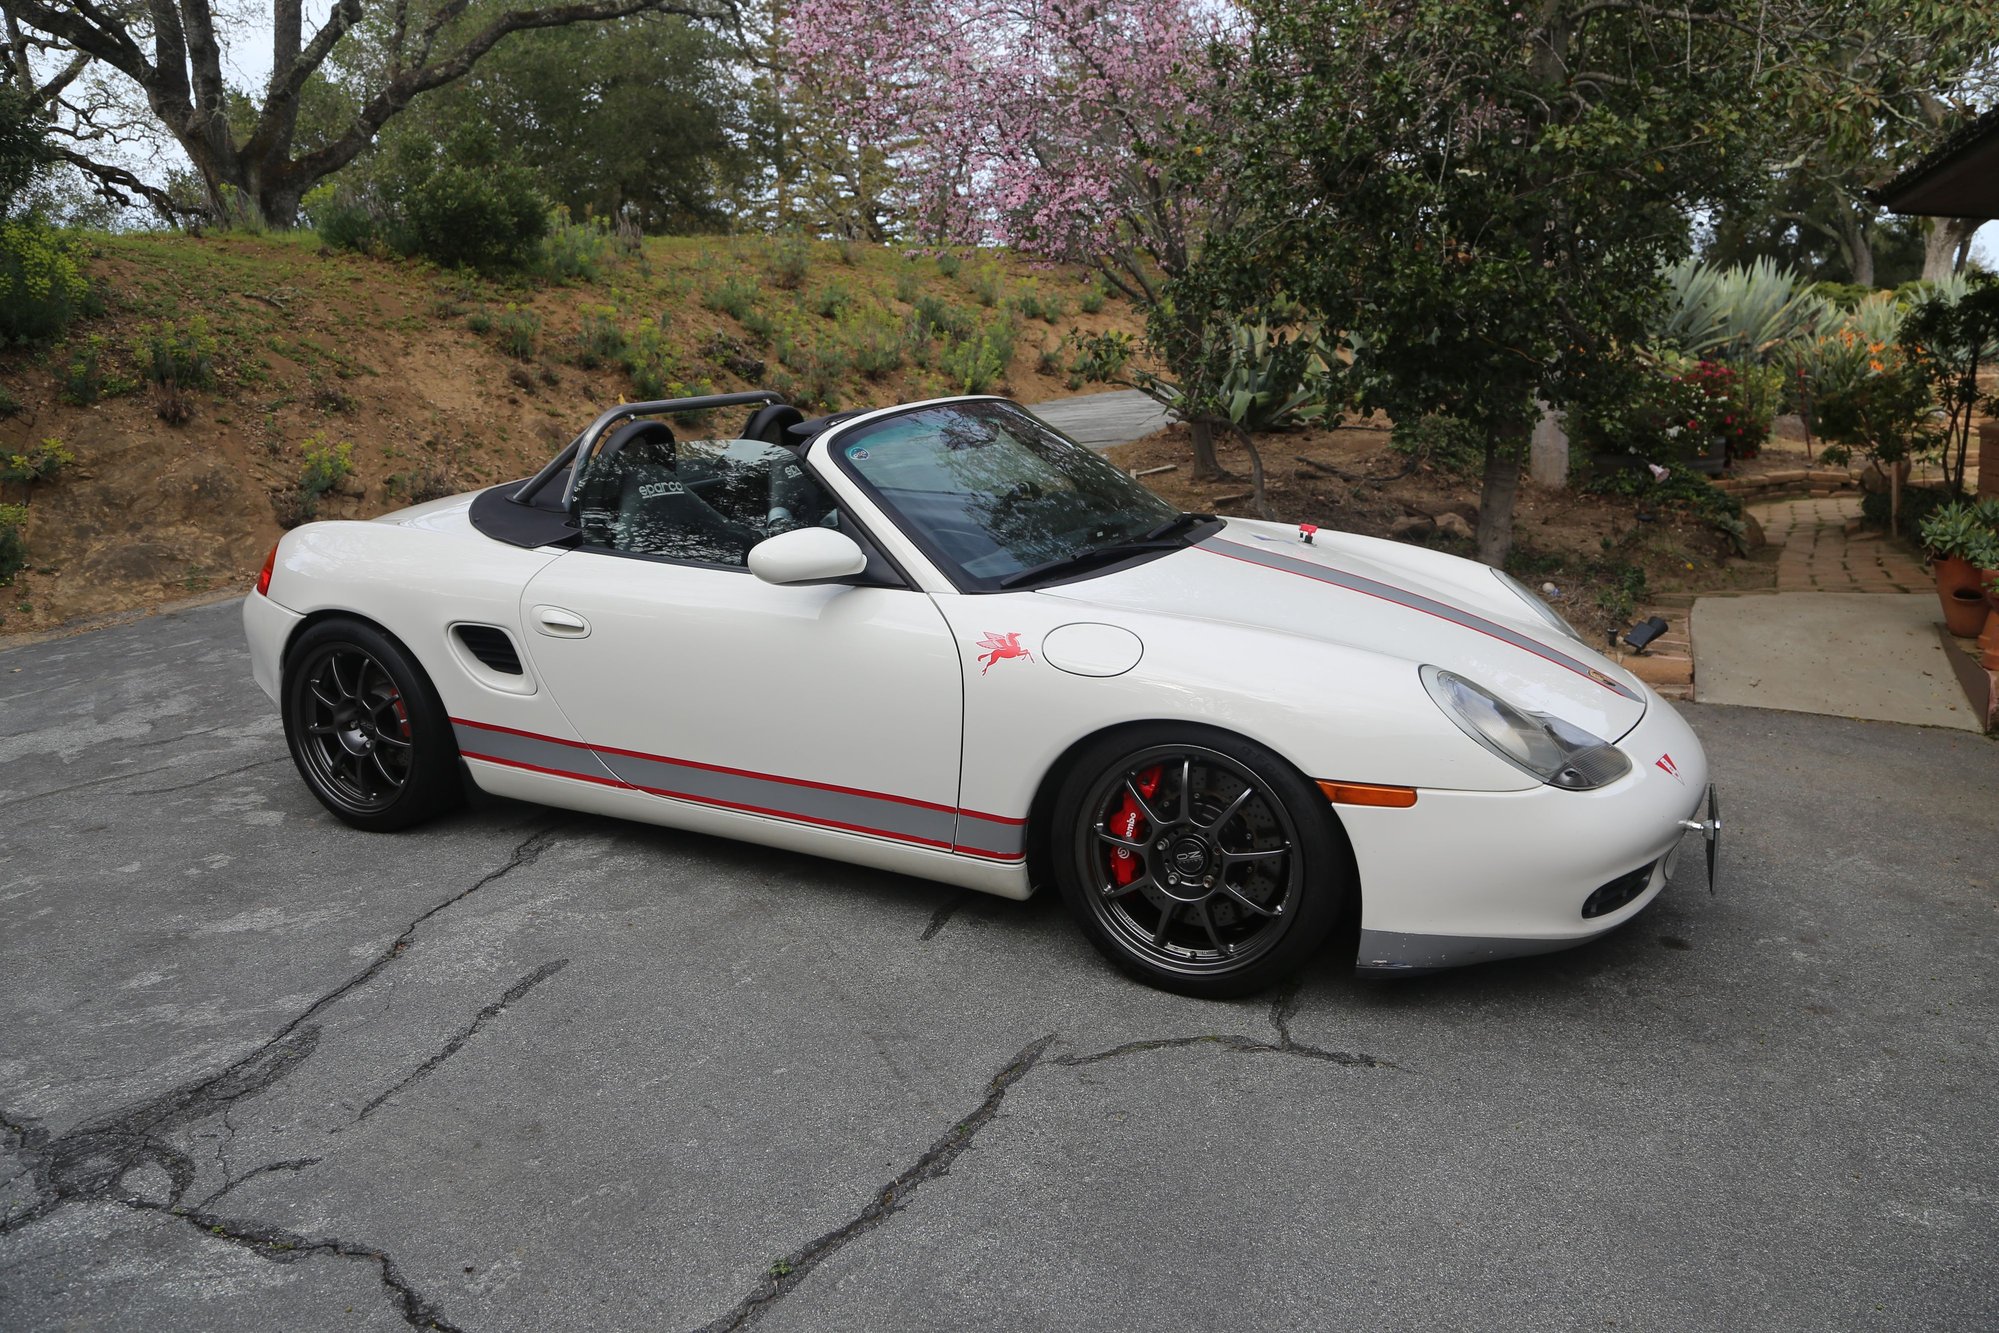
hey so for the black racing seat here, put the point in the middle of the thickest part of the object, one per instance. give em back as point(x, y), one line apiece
point(658, 515)
point(770, 422)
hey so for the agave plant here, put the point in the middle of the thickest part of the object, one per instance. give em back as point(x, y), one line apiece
point(1739, 313)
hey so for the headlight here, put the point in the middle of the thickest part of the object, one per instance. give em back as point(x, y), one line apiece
point(1558, 753)
point(1542, 611)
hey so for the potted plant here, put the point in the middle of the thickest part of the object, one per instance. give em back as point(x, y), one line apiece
point(1959, 545)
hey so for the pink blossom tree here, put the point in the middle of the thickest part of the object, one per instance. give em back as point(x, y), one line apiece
point(1071, 129)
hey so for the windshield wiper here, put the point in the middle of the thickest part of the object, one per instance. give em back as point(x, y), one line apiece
point(1164, 537)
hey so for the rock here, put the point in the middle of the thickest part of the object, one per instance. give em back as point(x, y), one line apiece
point(1874, 480)
point(1454, 525)
point(1829, 477)
point(1752, 533)
point(1412, 525)
point(1793, 477)
point(1437, 508)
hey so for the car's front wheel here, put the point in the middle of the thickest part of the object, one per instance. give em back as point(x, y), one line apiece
point(1197, 861)
point(366, 729)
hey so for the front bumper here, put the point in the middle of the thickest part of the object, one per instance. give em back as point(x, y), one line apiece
point(1464, 877)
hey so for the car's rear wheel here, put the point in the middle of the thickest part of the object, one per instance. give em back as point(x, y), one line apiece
point(1197, 861)
point(366, 729)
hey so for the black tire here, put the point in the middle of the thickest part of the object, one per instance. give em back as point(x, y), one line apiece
point(366, 729)
point(1256, 863)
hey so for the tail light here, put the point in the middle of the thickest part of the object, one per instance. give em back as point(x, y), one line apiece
point(264, 574)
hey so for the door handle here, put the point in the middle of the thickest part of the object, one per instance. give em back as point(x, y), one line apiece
point(560, 623)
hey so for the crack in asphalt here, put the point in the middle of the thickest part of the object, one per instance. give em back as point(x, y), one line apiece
point(786, 1273)
point(88, 1162)
point(1282, 1009)
point(202, 781)
point(288, 1164)
point(452, 1047)
point(942, 916)
point(281, 1246)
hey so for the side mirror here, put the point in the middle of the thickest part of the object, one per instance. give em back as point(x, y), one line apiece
point(807, 555)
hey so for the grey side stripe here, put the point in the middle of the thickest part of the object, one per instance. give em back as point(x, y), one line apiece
point(1001, 838)
point(1339, 578)
point(767, 796)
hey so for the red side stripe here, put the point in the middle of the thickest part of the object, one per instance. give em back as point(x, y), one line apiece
point(734, 772)
point(786, 815)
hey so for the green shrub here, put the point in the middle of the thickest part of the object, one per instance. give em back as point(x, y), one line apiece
point(598, 338)
point(326, 466)
point(13, 542)
point(480, 320)
point(978, 364)
point(734, 297)
point(832, 300)
point(932, 316)
point(172, 354)
point(791, 259)
point(37, 464)
point(81, 380)
point(342, 221)
point(652, 363)
point(876, 345)
point(519, 327)
point(1447, 444)
point(464, 217)
point(907, 285)
point(10, 406)
point(1092, 300)
point(948, 264)
point(43, 286)
point(577, 251)
point(988, 287)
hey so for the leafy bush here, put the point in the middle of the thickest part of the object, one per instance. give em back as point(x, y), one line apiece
point(987, 285)
point(81, 380)
point(734, 297)
point(948, 264)
point(519, 327)
point(652, 363)
point(832, 300)
point(577, 251)
point(490, 217)
point(37, 464)
point(42, 282)
point(907, 285)
point(1450, 446)
point(932, 315)
point(342, 220)
point(172, 354)
point(978, 364)
point(791, 259)
point(875, 342)
point(326, 466)
point(1092, 300)
point(9, 405)
point(598, 338)
point(13, 543)
point(1918, 503)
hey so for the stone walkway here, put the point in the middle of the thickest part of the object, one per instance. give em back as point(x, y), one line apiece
point(1824, 550)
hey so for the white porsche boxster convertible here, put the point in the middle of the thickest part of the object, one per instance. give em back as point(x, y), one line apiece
point(944, 640)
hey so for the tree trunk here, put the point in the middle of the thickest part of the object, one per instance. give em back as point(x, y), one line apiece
point(1944, 238)
point(1258, 496)
point(1495, 501)
point(1206, 468)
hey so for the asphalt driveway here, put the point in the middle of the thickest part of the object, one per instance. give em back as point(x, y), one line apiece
point(525, 1070)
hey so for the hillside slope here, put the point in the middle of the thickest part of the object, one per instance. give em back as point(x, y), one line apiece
point(443, 381)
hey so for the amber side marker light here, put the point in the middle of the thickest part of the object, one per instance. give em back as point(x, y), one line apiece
point(264, 574)
point(1368, 793)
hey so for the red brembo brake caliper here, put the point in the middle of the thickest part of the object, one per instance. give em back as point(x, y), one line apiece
point(1128, 822)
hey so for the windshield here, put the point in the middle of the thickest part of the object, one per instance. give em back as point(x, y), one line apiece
point(989, 491)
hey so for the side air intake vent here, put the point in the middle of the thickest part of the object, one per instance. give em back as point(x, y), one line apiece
point(492, 647)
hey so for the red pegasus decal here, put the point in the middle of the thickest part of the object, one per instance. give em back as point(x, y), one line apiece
point(1001, 646)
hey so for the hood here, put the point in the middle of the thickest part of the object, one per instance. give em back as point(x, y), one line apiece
point(1381, 597)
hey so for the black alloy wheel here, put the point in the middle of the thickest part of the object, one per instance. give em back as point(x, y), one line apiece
point(1198, 861)
point(366, 730)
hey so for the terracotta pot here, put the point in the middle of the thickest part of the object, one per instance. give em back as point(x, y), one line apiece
point(1964, 611)
point(1962, 593)
point(1991, 577)
point(1988, 642)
